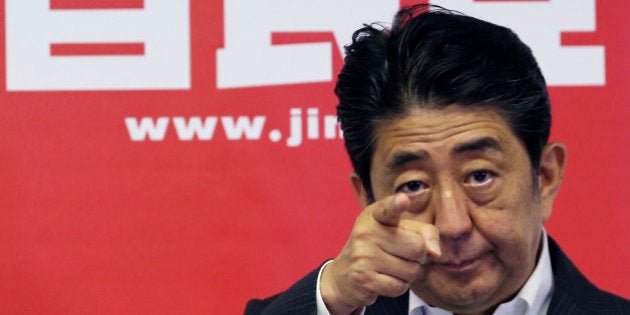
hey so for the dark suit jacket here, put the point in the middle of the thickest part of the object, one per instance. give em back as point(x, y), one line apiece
point(572, 294)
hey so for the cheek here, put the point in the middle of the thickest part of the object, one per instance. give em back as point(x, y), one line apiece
point(496, 226)
point(513, 232)
point(507, 222)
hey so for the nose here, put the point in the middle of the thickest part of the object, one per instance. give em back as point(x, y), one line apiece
point(452, 217)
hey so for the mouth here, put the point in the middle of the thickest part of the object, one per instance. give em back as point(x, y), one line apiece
point(461, 265)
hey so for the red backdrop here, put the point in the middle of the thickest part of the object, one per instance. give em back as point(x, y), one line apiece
point(151, 160)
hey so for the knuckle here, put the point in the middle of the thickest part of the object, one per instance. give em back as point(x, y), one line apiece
point(394, 288)
point(416, 250)
point(361, 255)
point(407, 272)
point(361, 233)
point(363, 283)
point(411, 272)
point(359, 276)
point(367, 298)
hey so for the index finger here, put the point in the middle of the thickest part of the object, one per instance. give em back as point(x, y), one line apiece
point(388, 210)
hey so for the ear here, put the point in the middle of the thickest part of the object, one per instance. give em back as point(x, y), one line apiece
point(359, 190)
point(550, 174)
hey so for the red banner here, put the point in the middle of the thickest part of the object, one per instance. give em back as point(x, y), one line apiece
point(182, 157)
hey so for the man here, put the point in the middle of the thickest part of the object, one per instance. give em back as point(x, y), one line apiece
point(446, 119)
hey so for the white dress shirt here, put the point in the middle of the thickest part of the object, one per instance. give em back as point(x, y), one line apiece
point(533, 298)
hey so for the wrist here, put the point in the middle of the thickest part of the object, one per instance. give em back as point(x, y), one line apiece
point(331, 293)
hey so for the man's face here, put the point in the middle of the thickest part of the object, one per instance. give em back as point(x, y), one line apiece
point(469, 175)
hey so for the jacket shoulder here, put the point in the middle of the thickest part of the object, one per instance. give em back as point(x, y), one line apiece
point(298, 299)
point(575, 294)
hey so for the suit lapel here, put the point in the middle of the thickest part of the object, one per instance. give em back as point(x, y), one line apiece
point(390, 306)
point(571, 289)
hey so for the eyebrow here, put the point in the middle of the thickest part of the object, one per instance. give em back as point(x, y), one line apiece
point(482, 144)
point(402, 158)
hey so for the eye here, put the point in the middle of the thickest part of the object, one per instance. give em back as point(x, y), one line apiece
point(478, 178)
point(412, 187)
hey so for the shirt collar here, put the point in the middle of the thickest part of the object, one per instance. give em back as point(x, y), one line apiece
point(533, 298)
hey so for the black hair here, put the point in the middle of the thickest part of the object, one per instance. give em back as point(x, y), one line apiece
point(432, 58)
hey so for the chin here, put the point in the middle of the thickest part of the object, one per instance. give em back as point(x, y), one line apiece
point(464, 295)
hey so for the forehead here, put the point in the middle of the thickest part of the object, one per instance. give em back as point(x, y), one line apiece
point(438, 131)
